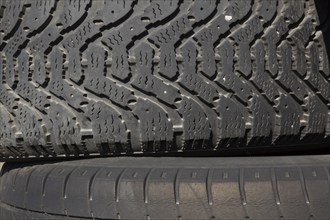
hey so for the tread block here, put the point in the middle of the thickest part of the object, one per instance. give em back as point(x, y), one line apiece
point(7, 133)
point(190, 79)
point(286, 178)
point(40, 11)
point(19, 186)
point(104, 203)
point(65, 126)
point(72, 11)
point(197, 129)
point(82, 78)
point(316, 178)
point(263, 118)
point(35, 193)
point(154, 124)
point(192, 190)
point(314, 77)
point(117, 9)
point(227, 180)
point(290, 116)
point(259, 77)
point(54, 191)
point(146, 81)
point(131, 195)
point(106, 125)
point(96, 82)
point(232, 123)
point(227, 75)
point(161, 184)
point(258, 190)
point(78, 196)
point(318, 116)
point(286, 76)
point(11, 14)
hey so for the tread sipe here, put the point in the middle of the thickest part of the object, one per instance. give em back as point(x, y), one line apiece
point(87, 77)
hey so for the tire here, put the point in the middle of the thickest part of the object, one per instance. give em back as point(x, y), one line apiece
point(169, 188)
point(88, 78)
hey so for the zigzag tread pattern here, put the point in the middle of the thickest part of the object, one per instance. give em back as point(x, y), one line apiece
point(109, 77)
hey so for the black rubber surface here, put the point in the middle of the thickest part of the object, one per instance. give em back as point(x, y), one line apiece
point(295, 187)
point(84, 77)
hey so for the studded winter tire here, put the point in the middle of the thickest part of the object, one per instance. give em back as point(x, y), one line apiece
point(88, 78)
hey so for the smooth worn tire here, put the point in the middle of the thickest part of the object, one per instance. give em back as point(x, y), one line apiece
point(258, 188)
point(86, 78)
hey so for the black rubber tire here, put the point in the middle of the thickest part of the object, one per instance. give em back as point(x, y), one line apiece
point(256, 188)
point(82, 77)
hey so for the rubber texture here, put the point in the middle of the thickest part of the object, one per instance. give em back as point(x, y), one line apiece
point(83, 77)
point(295, 187)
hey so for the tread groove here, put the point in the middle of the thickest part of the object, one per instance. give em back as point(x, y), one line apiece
point(275, 187)
point(209, 186)
point(117, 187)
point(303, 186)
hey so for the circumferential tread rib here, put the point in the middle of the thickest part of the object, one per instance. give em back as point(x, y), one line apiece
point(279, 187)
point(84, 77)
